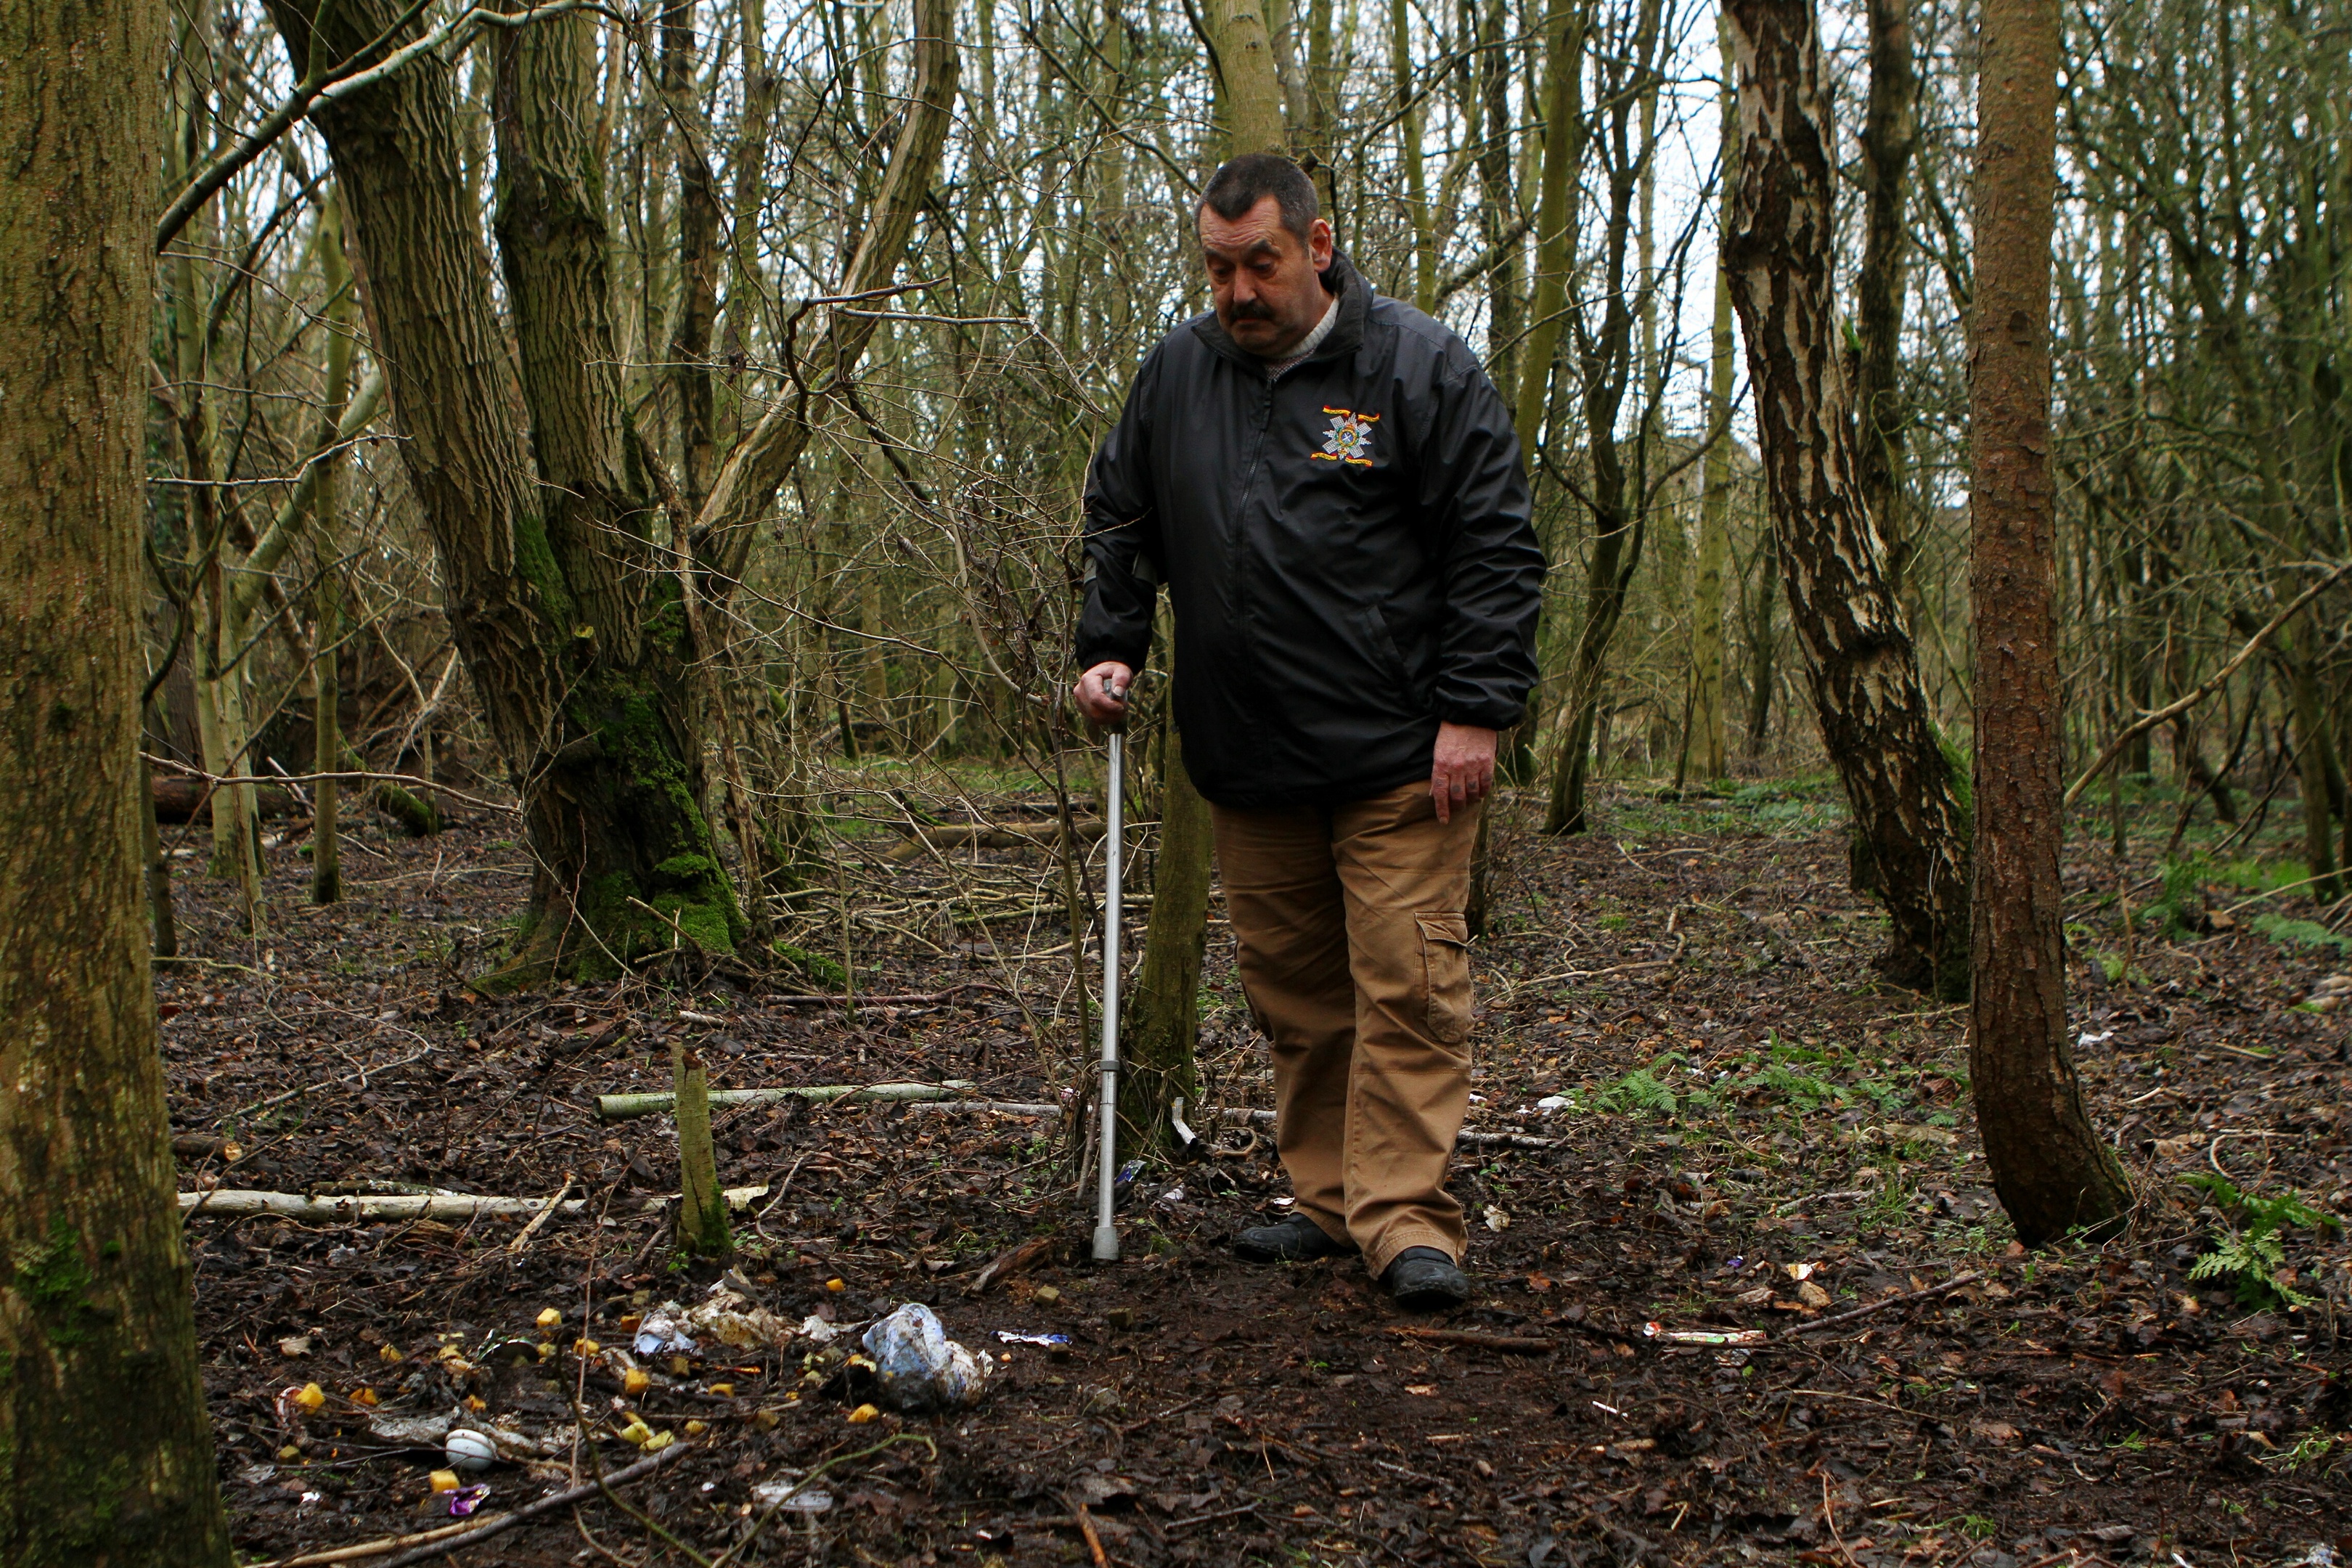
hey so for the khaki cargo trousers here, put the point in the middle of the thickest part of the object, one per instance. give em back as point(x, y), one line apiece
point(1357, 963)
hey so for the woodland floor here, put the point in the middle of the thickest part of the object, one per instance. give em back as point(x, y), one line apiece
point(1743, 1101)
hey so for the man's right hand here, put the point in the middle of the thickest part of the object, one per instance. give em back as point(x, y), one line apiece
point(1102, 693)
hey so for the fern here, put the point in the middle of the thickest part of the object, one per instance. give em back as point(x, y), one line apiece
point(2253, 1256)
point(1639, 1091)
point(2181, 910)
point(1806, 1093)
point(2293, 935)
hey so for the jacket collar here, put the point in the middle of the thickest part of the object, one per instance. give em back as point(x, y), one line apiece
point(1346, 332)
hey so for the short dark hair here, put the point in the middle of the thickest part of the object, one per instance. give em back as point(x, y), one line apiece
point(1244, 182)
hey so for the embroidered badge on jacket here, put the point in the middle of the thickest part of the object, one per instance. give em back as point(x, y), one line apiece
point(1349, 440)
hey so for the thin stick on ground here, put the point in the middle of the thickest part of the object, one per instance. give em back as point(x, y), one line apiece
point(441, 1547)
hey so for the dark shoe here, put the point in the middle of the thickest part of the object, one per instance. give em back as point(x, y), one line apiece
point(1296, 1240)
point(1424, 1279)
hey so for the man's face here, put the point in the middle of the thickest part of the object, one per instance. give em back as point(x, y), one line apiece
point(1267, 286)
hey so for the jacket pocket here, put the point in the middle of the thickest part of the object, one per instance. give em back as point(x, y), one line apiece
point(1381, 649)
point(1445, 976)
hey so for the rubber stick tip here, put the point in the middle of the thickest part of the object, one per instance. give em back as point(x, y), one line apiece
point(1106, 1244)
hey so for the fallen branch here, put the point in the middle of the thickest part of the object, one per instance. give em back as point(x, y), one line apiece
point(2180, 705)
point(882, 999)
point(1818, 1324)
point(1013, 1260)
point(522, 1236)
point(1510, 1344)
point(621, 1107)
point(564, 1499)
point(1467, 1135)
point(367, 1549)
point(985, 835)
point(1505, 1140)
point(434, 1205)
point(178, 800)
point(347, 776)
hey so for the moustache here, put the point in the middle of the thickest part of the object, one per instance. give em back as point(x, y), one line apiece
point(1252, 311)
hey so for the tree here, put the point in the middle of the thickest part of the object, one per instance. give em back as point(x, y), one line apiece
point(573, 566)
point(1889, 130)
point(1161, 1027)
point(105, 1455)
point(1706, 724)
point(2051, 1169)
point(1159, 1024)
point(1899, 780)
point(1617, 500)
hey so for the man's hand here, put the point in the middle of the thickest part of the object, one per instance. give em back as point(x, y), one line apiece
point(1462, 770)
point(1102, 697)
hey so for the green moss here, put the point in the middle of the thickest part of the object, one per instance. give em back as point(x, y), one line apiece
point(815, 967)
point(684, 868)
point(535, 564)
point(55, 1282)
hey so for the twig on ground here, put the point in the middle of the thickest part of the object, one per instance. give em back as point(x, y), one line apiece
point(531, 1511)
point(621, 1107)
point(436, 1206)
point(1086, 1529)
point(522, 1236)
point(1510, 1344)
point(366, 1549)
point(1818, 1324)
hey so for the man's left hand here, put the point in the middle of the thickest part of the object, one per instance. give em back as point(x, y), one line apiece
point(1462, 769)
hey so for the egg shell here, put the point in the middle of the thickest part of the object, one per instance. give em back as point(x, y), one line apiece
point(469, 1451)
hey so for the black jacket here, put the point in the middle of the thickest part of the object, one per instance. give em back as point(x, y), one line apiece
point(1347, 550)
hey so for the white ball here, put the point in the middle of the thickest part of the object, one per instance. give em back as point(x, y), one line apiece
point(469, 1451)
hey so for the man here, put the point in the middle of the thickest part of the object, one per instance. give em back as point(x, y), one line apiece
point(1331, 489)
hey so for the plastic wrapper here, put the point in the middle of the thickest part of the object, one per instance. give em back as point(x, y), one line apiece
point(734, 1320)
point(659, 1334)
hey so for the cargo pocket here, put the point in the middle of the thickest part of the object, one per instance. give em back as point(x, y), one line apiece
point(1445, 976)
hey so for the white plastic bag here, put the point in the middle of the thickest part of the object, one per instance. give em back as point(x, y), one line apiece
point(917, 1367)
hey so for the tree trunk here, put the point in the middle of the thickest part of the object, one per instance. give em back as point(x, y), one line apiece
point(1245, 67)
point(1495, 212)
point(2315, 759)
point(1707, 740)
point(702, 1229)
point(1763, 646)
point(2047, 1161)
point(1889, 129)
point(1160, 1030)
point(1409, 130)
point(1560, 197)
point(326, 691)
point(1619, 511)
point(1865, 673)
point(556, 596)
point(105, 1454)
point(1161, 1027)
point(698, 257)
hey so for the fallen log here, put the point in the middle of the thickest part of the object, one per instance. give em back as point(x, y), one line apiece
point(1043, 835)
point(179, 799)
point(430, 1205)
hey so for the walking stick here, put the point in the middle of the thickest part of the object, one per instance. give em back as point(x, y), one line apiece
point(1106, 1107)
